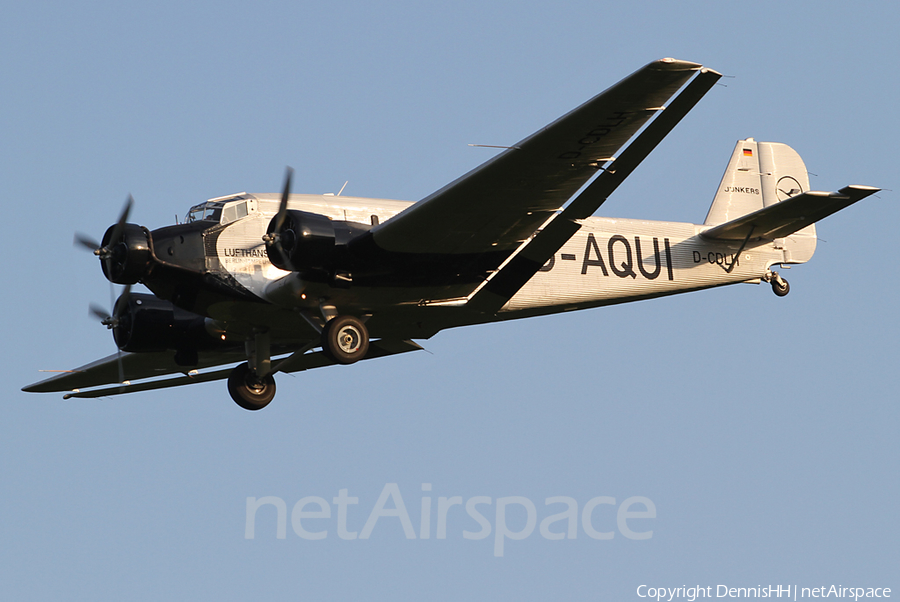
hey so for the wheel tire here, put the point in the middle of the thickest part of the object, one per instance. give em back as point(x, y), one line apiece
point(345, 339)
point(780, 290)
point(248, 391)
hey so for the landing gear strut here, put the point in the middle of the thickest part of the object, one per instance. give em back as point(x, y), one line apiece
point(248, 390)
point(780, 286)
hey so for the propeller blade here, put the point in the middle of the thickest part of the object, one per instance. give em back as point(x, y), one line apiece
point(106, 252)
point(121, 367)
point(122, 303)
point(98, 312)
point(120, 306)
point(112, 299)
point(282, 209)
point(85, 241)
point(123, 219)
point(125, 296)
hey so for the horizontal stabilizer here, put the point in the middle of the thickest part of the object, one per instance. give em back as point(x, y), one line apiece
point(788, 216)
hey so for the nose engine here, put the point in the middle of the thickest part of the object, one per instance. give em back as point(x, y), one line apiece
point(126, 258)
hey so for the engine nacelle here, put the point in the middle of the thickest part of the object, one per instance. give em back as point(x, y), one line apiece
point(145, 323)
point(315, 246)
point(307, 242)
point(130, 256)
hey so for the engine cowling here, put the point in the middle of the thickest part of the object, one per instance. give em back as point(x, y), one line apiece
point(130, 256)
point(306, 241)
point(145, 323)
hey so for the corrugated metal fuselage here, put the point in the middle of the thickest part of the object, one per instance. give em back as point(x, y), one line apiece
point(607, 261)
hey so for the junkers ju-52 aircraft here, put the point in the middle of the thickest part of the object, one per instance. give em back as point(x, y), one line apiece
point(267, 279)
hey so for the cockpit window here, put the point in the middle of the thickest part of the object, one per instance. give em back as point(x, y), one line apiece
point(205, 211)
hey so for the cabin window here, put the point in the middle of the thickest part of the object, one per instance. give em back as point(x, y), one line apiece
point(234, 212)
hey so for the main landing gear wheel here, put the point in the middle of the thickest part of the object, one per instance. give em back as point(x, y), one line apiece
point(345, 339)
point(248, 390)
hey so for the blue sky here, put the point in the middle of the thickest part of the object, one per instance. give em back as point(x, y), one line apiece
point(763, 430)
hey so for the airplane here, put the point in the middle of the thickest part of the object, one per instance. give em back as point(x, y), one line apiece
point(289, 282)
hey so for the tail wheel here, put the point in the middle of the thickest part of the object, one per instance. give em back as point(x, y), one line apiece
point(248, 390)
point(345, 339)
point(780, 286)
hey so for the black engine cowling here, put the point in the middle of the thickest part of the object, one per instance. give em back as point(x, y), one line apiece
point(306, 240)
point(145, 323)
point(130, 256)
point(315, 246)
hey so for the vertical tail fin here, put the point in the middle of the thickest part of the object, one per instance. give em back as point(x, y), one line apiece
point(761, 174)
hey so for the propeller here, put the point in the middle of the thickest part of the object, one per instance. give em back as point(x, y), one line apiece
point(274, 237)
point(105, 253)
point(111, 320)
point(107, 319)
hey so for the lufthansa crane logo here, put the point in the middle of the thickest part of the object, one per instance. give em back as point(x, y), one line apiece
point(787, 187)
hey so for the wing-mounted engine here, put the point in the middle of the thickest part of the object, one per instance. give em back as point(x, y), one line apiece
point(312, 244)
point(143, 323)
point(303, 242)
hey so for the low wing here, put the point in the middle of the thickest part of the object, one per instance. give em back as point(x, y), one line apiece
point(501, 203)
point(144, 365)
point(788, 216)
point(135, 366)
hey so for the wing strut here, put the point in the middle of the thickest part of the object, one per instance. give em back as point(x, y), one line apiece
point(740, 249)
point(533, 254)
